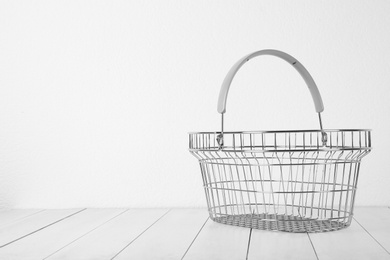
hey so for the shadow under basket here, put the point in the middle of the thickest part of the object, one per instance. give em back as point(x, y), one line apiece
point(274, 222)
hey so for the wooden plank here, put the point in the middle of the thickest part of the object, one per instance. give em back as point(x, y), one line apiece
point(49, 240)
point(27, 226)
point(8, 216)
point(219, 241)
point(350, 243)
point(280, 245)
point(376, 221)
point(108, 240)
point(169, 238)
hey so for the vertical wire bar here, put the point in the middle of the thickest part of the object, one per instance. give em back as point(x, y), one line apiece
point(342, 187)
point(205, 184)
point(327, 171)
point(300, 200)
point(210, 190)
point(314, 168)
point(295, 207)
point(311, 168)
point(278, 181)
point(275, 144)
point(281, 183)
point(272, 190)
point(215, 188)
point(325, 206)
point(314, 192)
point(335, 172)
point(349, 187)
point(252, 179)
point(230, 185)
point(335, 180)
point(261, 184)
point(222, 182)
point(234, 187)
point(246, 182)
point(281, 177)
point(305, 185)
point(320, 199)
point(239, 184)
point(322, 189)
point(263, 141)
point(290, 169)
point(275, 165)
point(242, 148)
point(356, 175)
point(290, 181)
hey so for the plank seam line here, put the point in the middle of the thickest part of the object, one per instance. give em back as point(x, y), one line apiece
point(42, 228)
point(140, 234)
point(19, 219)
point(371, 236)
point(39, 211)
point(98, 226)
point(312, 245)
point(197, 234)
point(249, 243)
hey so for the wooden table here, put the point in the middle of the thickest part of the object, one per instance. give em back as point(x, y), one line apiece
point(179, 234)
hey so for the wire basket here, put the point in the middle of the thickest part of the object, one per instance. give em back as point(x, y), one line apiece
point(294, 181)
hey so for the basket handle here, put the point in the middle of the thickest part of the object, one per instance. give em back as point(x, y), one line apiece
point(319, 106)
point(294, 62)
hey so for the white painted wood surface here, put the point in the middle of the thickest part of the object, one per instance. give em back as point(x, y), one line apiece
point(109, 240)
point(217, 241)
point(170, 234)
point(376, 221)
point(8, 216)
point(280, 245)
point(169, 238)
point(350, 243)
point(34, 223)
point(48, 241)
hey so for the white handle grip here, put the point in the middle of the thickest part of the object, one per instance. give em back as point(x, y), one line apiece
point(296, 64)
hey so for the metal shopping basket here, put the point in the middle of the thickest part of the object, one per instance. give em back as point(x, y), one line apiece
point(295, 181)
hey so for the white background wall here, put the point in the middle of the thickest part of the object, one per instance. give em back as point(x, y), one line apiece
point(97, 97)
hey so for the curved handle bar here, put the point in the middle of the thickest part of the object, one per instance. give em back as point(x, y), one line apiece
point(296, 64)
point(319, 106)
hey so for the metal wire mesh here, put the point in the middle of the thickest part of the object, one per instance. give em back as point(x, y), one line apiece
point(281, 180)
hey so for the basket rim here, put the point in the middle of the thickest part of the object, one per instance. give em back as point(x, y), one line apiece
point(345, 148)
point(283, 131)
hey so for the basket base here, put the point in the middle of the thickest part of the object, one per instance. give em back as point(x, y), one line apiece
point(279, 222)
